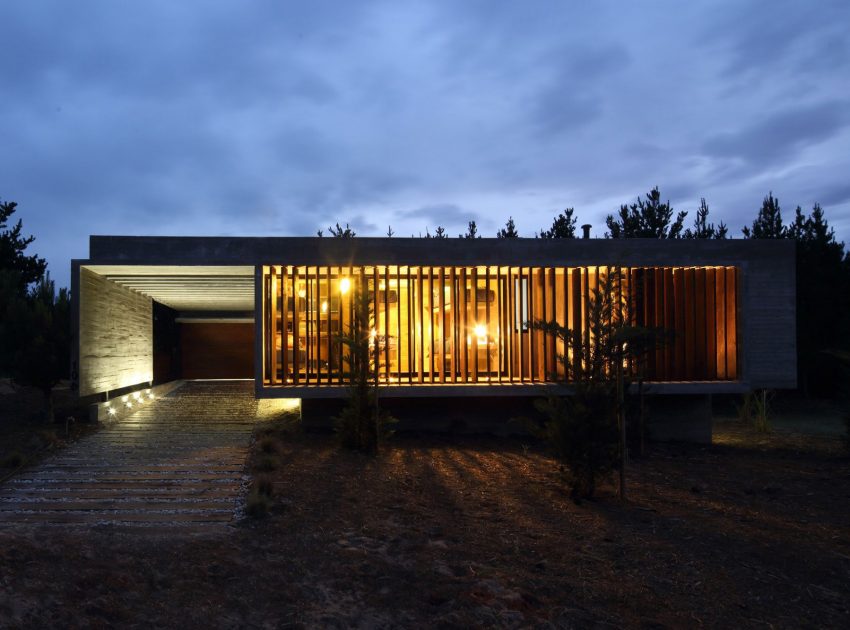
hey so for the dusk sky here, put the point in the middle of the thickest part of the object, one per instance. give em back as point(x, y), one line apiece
point(273, 118)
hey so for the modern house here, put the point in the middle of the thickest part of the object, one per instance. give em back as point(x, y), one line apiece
point(451, 316)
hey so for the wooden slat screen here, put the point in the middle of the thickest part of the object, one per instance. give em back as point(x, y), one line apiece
point(472, 325)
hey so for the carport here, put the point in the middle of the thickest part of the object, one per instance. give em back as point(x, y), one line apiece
point(148, 324)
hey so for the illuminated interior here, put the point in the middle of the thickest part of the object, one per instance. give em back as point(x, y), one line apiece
point(471, 325)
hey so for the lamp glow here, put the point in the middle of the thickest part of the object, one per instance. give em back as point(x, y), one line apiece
point(325, 306)
point(480, 331)
point(344, 285)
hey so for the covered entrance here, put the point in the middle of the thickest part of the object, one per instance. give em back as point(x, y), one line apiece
point(141, 324)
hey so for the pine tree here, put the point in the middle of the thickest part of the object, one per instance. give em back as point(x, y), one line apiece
point(563, 226)
point(340, 232)
point(704, 229)
point(768, 224)
point(509, 231)
point(646, 219)
point(13, 260)
point(471, 232)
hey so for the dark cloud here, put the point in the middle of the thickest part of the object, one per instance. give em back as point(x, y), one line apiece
point(447, 215)
point(763, 39)
point(779, 137)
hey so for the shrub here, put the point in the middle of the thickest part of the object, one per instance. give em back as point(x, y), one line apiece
point(15, 459)
point(259, 500)
point(362, 425)
point(268, 445)
point(755, 410)
point(267, 463)
point(582, 432)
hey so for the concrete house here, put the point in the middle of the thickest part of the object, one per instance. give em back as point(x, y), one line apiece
point(451, 315)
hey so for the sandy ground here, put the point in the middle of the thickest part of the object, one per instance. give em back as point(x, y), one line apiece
point(472, 532)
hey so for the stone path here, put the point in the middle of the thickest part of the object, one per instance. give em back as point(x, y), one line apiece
point(178, 460)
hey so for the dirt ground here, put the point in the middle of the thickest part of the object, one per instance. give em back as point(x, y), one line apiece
point(473, 532)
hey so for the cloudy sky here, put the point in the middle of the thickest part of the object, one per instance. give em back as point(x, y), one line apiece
point(274, 118)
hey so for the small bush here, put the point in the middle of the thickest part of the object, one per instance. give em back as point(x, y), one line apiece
point(14, 459)
point(258, 504)
point(267, 463)
point(268, 445)
point(755, 410)
point(582, 432)
point(259, 500)
point(264, 486)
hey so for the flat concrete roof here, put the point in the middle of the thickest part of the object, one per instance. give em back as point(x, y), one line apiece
point(238, 250)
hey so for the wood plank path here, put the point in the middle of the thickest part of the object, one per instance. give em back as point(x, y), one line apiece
point(178, 460)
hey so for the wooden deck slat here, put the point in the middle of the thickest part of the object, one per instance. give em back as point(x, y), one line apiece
point(177, 460)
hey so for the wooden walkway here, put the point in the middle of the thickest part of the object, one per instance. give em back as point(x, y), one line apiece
point(179, 460)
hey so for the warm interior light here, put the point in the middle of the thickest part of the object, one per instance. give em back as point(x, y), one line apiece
point(324, 306)
point(344, 285)
point(302, 293)
point(480, 331)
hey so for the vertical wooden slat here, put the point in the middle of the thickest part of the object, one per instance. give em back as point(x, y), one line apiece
point(544, 315)
point(265, 287)
point(576, 317)
point(562, 316)
point(420, 317)
point(296, 333)
point(430, 311)
point(521, 353)
point(700, 343)
point(671, 348)
point(710, 324)
point(453, 346)
point(679, 364)
point(283, 280)
point(487, 321)
point(689, 316)
point(398, 330)
point(409, 326)
point(462, 331)
point(443, 326)
point(658, 321)
point(473, 322)
point(308, 321)
point(509, 323)
point(500, 326)
point(731, 324)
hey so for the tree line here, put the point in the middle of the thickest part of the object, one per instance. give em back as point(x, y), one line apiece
point(35, 318)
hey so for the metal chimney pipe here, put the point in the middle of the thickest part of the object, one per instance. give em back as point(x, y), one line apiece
point(586, 230)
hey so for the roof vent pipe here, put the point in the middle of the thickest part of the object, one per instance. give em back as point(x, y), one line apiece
point(586, 230)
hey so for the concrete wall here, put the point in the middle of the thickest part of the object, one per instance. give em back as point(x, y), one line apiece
point(768, 322)
point(115, 341)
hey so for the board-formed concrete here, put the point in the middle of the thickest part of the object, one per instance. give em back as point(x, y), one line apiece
point(179, 460)
point(115, 336)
